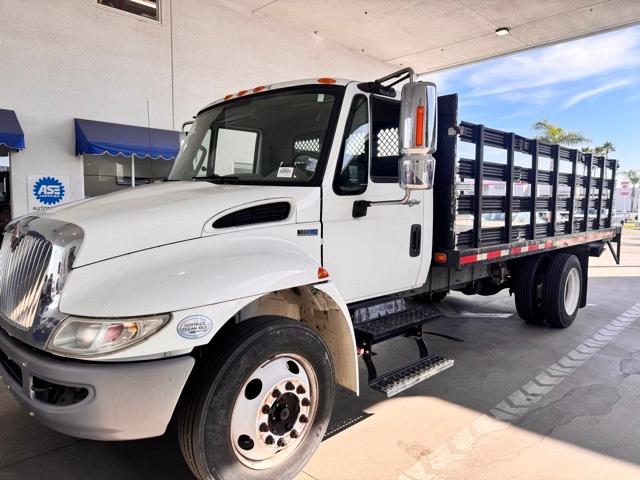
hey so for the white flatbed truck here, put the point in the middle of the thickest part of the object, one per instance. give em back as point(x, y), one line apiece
point(302, 224)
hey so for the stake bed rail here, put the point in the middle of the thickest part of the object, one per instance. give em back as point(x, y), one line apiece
point(587, 206)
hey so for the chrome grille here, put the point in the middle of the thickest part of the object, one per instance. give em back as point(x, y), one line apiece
point(23, 268)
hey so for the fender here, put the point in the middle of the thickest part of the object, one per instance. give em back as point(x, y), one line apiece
point(341, 340)
point(193, 273)
point(322, 308)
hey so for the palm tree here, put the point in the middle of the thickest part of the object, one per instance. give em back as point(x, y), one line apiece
point(607, 147)
point(634, 179)
point(554, 134)
point(603, 149)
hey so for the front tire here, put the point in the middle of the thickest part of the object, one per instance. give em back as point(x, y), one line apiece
point(258, 408)
point(562, 290)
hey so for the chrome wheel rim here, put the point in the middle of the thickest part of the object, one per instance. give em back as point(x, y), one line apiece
point(274, 411)
point(572, 291)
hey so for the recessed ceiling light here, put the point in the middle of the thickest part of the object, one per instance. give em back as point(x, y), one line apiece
point(502, 31)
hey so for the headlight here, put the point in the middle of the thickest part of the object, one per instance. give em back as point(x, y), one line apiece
point(85, 337)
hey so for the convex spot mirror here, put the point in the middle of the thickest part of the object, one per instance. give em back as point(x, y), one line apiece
point(418, 135)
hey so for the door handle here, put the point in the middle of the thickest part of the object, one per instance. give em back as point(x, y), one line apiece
point(415, 240)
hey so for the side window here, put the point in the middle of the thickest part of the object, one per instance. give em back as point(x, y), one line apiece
point(235, 151)
point(352, 171)
point(385, 151)
point(306, 151)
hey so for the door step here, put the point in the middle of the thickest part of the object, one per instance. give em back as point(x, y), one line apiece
point(393, 325)
point(409, 375)
point(407, 323)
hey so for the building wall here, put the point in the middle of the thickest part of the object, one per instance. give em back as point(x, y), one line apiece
point(75, 59)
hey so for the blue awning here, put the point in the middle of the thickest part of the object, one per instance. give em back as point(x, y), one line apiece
point(11, 134)
point(96, 138)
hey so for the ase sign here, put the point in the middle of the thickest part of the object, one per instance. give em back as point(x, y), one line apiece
point(47, 191)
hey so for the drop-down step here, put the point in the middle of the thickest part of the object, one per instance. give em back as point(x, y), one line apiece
point(409, 375)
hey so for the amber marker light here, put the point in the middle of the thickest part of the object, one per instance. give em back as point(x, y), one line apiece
point(322, 273)
point(419, 126)
point(326, 80)
point(440, 257)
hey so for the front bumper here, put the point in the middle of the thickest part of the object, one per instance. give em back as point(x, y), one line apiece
point(98, 401)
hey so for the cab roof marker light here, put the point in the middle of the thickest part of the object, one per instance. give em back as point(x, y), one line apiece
point(259, 89)
point(227, 97)
point(242, 92)
point(327, 80)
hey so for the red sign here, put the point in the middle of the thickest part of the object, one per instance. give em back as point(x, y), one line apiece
point(625, 188)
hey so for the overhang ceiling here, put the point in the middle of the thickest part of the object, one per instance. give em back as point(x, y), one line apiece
point(433, 35)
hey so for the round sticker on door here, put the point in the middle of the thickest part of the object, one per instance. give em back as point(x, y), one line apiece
point(195, 326)
point(48, 190)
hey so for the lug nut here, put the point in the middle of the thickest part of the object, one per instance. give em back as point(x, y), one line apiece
point(266, 409)
point(269, 440)
point(305, 402)
point(275, 393)
point(301, 390)
point(289, 386)
point(282, 443)
point(294, 434)
point(264, 427)
point(303, 419)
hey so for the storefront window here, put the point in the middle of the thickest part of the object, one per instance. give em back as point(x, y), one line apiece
point(107, 173)
point(144, 8)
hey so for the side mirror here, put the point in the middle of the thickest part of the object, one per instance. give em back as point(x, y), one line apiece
point(418, 135)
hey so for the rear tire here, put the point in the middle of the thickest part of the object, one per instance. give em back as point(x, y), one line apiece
point(438, 296)
point(528, 287)
point(562, 290)
point(228, 394)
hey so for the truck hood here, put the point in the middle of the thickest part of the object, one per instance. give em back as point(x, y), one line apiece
point(150, 216)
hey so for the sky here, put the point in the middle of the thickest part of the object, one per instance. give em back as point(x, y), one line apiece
point(591, 85)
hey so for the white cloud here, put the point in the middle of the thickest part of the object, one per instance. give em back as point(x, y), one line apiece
point(532, 96)
point(578, 97)
point(577, 60)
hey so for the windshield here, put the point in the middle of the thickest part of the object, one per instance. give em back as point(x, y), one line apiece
point(278, 137)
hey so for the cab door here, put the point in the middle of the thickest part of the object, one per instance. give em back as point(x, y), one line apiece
point(378, 253)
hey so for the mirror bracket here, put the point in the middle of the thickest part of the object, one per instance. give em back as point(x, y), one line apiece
point(360, 207)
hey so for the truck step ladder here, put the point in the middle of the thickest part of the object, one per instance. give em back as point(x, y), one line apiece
point(407, 323)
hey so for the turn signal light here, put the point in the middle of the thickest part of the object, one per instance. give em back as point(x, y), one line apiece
point(440, 257)
point(322, 273)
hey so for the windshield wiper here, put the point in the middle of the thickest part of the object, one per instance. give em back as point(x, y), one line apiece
point(215, 178)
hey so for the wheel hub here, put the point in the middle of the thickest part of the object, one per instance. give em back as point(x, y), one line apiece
point(274, 411)
point(284, 413)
